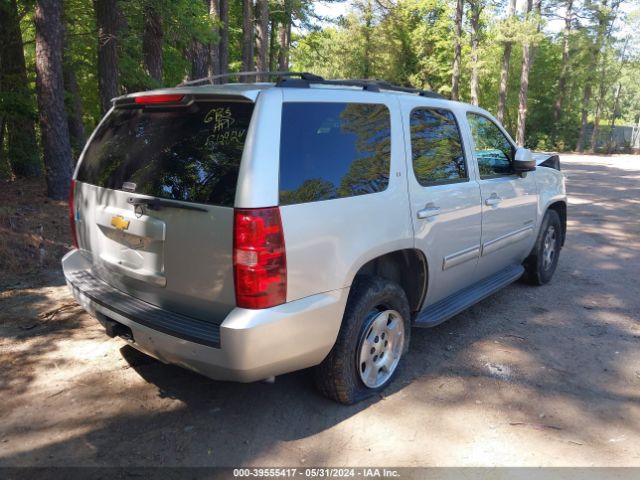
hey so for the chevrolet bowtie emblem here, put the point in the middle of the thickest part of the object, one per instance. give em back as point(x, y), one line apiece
point(119, 222)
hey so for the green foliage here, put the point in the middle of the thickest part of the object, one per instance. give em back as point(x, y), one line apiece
point(80, 50)
point(412, 41)
point(18, 152)
point(409, 44)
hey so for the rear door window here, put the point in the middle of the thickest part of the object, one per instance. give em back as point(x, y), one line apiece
point(188, 153)
point(436, 147)
point(333, 150)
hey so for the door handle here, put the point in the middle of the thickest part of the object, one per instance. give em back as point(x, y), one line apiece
point(493, 200)
point(429, 210)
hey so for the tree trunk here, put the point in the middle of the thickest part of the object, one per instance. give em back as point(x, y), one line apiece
point(50, 88)
point(504, 71)
point(601, 93)
point(596, 126)
point(22, 148)
point(73, 104)
point(273, 45)
point(224, 36)
point(262, 37)
point(214, 47)
point(108, 23)
point(285, 38)
point(283, 64)
point(198, 52)
point(613, 117)
point(606, 19)
point(5, 168)
point(586, 97)
point(247, 38)
point(602, 90)
point(457, 52)
point(74, 113)
point(504, 81)
point(635, 137)
point(596, 119)
point(152, 42)
point(562, 79)
point(367, 30)
point(524, 91)
point(476, 9)
point(527, 61)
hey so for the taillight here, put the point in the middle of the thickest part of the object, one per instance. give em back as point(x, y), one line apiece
point(259, 258)
point(158, 99)
point(72, 213)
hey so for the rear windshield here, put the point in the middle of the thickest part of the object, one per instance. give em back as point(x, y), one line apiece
point(190, 154)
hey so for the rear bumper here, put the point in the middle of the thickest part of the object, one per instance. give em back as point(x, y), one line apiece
point(250, 344)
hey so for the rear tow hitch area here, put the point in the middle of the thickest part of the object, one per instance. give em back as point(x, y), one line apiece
point(115, 329)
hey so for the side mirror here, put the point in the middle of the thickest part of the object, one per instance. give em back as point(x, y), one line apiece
point(523, 161)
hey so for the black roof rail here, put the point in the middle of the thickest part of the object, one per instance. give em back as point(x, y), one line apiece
point(396, 88)
point(305, 79)
point(302, 75)
point(368, 85)
point(305, 82)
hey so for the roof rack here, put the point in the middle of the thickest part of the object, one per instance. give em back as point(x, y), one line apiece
point(305, 79)
point(377, 85)
point(303, 76)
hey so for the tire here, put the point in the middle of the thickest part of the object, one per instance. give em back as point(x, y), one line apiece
point(543, 260)
point(374, 334)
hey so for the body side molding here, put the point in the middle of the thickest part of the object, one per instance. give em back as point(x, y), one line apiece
point(505, 240)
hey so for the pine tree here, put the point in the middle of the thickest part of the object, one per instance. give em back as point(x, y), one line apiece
point(50, 87)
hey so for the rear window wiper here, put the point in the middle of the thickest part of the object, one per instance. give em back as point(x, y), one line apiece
point(157, 204)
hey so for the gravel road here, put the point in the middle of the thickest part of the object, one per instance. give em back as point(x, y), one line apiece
point(528, 377)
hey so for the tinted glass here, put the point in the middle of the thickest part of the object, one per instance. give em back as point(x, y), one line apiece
point(190, 154)
point(436, 147)
point(493, 150)
point(333, 150)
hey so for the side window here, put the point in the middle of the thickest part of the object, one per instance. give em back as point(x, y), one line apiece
point(493, 150)
point(333, 150)
point(436, 147)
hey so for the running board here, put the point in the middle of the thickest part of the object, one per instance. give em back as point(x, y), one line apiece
point(452, 305)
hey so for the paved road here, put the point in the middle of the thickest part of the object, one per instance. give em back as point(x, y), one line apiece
point(530, 376)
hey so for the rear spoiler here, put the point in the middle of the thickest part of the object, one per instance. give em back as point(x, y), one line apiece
point(546, 159)
point(228, 91)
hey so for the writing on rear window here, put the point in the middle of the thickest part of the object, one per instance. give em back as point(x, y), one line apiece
point(222, 122)
point(190, 154)
point(333, 150)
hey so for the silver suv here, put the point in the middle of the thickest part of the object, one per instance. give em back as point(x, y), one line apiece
point(244, 231)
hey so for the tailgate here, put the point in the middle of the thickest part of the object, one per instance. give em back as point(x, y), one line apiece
point(154, 197)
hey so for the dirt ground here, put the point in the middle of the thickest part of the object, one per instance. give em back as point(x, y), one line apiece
point(529, 377)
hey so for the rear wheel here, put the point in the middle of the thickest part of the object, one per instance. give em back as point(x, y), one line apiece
point(374, 334)
point(541, 264)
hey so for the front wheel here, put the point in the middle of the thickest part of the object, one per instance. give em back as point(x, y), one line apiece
point(541, 264)
point(374, 334)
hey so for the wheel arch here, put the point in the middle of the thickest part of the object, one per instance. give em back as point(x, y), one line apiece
point(407, 267)
point(560, 207)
